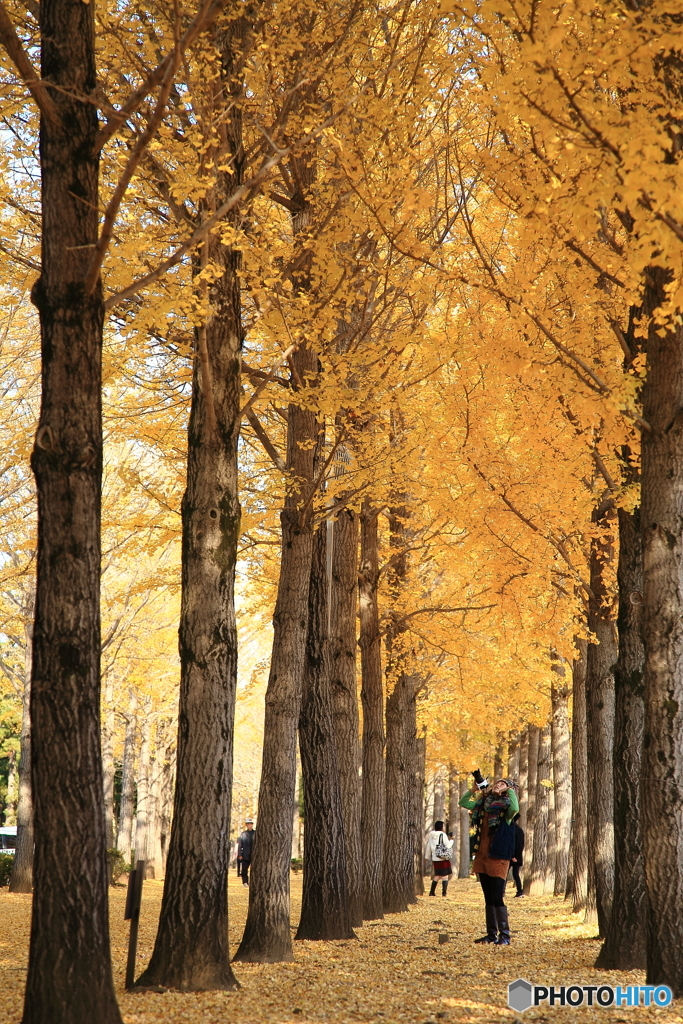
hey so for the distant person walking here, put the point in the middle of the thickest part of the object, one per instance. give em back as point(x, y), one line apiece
point(518, 859)
point(438, 852)
point(492, 812)
point(245, 846)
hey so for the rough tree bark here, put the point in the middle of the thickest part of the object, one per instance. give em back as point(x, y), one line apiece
point(124, 839)
point(537, 872)
point(579, 833)
point(439, 804)
point(523, 777)
point(418, 806)
point(397, 879)
point(324, 905)
point(266, 937)
point(372, 697)
point(454, 814)
point(532, 776)
point(70, 912)
point(662, 539)
point(464, 859)
point(625, 943)
point(559, 696)
point(342, 662)
point(21, 878)
point(108, 766)
point(601, 659)
point(191, 948)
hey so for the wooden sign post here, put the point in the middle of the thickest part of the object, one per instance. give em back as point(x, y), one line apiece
point(132, 914)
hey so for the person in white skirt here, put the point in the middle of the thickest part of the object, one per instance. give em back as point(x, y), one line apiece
point(438, 850)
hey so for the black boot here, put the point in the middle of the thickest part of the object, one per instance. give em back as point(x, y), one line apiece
point(503, 926)
point(432, 891)
point(491, 925)
point(444, 887)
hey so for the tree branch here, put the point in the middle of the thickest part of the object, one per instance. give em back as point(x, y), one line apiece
point(17, 54)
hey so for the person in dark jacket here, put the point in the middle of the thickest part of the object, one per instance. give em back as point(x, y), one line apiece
point(518, 859)
point(245, 845)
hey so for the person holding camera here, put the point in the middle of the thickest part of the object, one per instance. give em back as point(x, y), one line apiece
point(493, 809)
point(438, 852)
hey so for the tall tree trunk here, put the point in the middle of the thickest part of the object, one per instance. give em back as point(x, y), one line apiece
point(454, 814)
point(523, 778)
point(324, 905)
point(124, 840)
point(464, 859)
point(142, 785)
point(513, 758)
point(21, 878)
point(108, 766)
point(499, 759)
point(266, 936)
point(540, 841)
point(579, 831)
point(372, 697)
point(420, 755)
point(532, 777)
point(625, 943)
point(559, 696)
point(343, 602)
point(69, 977)
point(439, 805)
point(397, 878)
point(549, 877)
point(191, 948)
point(662, 539)
point(602, 656)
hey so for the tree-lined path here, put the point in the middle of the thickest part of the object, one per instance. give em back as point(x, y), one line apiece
point(341, 451)
point(395, 971)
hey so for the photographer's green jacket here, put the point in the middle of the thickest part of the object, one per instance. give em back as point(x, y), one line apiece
point(470, 801)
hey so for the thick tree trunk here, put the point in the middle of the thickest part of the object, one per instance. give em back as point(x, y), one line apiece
point(539, 859)
point(602, 656)
point(523, 778)
point(662, 538)
point(397, 878)
point(372, 697)
point(191, 949)
point(579, 832)
point(69, 977)
point(464, 859)
point(345, 697)
point(21, 879)
point(532, 776)
point(266, 936)
point(324, 905)
point(559, 696)
point(625, 943)
point(124, 840)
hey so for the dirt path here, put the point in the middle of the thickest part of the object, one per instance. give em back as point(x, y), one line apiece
point(395, 971)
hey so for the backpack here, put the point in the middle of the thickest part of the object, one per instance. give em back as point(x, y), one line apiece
point(442, 851)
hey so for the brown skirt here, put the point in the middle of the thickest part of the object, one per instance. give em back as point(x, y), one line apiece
point(441, 868)
point(485, 865)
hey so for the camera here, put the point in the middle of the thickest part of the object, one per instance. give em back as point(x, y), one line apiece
point(479, 780)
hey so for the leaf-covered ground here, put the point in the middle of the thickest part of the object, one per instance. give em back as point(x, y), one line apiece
point(395, 971)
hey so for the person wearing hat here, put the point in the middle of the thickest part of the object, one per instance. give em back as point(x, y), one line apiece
point(494, 847)
point(245, 846)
